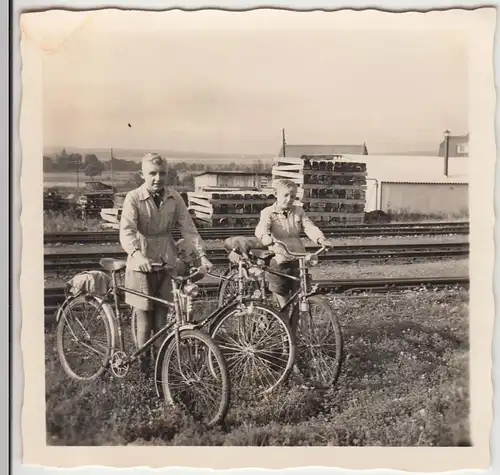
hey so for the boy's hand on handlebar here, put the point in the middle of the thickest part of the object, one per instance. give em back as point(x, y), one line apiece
point(143, 263)
point(206, 263)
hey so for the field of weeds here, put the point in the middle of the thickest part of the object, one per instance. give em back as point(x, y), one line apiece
point(405, 382)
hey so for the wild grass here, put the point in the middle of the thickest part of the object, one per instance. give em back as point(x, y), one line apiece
point(66, 222)
point(405, 382)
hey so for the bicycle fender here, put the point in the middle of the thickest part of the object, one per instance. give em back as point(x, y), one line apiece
point(110, 315)
point(161, 354)
point(61, 308)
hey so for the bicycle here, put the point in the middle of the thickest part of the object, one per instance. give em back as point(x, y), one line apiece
point(314, 336)
point(180, 382)
point(255, 339)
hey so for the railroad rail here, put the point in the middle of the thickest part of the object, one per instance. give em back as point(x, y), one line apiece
point(58, 261)
point(54, 296)
point(365, 230)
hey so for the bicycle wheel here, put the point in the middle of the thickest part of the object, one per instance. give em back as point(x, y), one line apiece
point(319, 343)
point(229, 287)
point(182, 369)
point(257, 345)
point(84, 323)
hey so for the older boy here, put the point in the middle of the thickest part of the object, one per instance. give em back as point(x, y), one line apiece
point(284, 221)
point(149, 214)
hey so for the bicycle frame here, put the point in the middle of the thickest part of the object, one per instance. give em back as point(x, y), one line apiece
point(298, 297)
point(112, 295)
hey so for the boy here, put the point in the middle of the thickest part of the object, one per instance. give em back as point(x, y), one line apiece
point(149, 214)
point(284, 221)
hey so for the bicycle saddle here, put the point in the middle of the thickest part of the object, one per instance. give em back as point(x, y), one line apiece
point(263, 254)
point(112, 265)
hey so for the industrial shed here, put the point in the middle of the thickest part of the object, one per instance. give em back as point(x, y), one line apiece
point(416, 184)
point(231, 179)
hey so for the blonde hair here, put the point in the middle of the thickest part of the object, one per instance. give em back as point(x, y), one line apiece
point(154, 158)
point(286, 184)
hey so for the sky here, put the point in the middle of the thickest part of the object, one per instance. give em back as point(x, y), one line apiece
point(192, 85)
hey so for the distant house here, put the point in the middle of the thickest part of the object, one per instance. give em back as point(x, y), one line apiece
point(231, 179)
point(299, 150)
point(459, 146)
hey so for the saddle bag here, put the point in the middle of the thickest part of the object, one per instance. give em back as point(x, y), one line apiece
point(93, 282)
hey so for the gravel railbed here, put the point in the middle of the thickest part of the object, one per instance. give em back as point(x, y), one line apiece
point(324, 271)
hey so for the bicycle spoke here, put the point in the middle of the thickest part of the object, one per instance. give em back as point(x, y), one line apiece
point(191, 382)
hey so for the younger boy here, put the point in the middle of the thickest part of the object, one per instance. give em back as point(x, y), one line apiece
point(284, 222)
point(149, 214)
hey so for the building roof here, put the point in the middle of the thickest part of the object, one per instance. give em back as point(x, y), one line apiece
point(233, 172)
point(299, 150)
point(413, 169)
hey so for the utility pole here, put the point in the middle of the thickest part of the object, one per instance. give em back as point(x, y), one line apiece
point(447, 134)
point(111, 166)
point(77, 175)
point(284, 142)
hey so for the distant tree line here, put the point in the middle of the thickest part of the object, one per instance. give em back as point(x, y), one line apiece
point(89, 164)
point(179, 173)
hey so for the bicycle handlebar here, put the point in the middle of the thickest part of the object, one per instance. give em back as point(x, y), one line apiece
point(161, 266)
point(298, 254)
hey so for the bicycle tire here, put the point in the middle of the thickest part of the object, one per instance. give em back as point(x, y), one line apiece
point(287, 340)
point(213, 352)
point(62, 324)
point(305, 363)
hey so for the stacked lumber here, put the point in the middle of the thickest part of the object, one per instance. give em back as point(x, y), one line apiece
point(331, 189)
point(229, 207)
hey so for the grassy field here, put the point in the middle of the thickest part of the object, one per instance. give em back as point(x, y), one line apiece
point(405, 382)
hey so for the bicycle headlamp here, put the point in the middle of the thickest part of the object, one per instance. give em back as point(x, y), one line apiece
point(191, 290)
point(311, 260)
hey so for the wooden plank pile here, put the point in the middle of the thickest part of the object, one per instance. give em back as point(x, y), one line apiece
point(229, 207)
point(331, 189)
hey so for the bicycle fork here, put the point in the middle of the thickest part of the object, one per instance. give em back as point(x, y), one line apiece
point(180, 320)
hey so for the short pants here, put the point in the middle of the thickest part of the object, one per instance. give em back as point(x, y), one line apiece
point(147, 283)
point(282, 285)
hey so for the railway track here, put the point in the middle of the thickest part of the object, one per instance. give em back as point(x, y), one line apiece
point(54, 296)
point(364, 230)
point(88, 261)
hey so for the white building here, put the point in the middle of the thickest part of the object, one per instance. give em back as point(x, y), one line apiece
point(415, 183)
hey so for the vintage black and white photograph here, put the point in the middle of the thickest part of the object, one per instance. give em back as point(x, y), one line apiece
point(256, 229)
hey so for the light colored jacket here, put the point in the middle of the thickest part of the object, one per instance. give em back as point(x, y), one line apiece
point(287, 229)
point(145, 227)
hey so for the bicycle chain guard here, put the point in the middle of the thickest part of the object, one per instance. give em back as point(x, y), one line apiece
point(118, 364)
